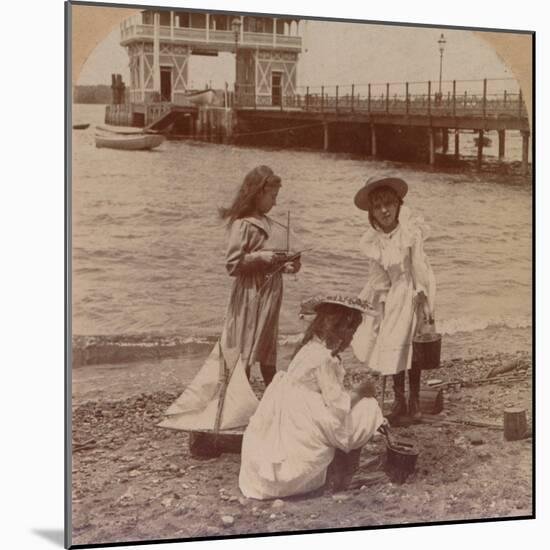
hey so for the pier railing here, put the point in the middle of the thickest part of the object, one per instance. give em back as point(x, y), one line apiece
point(477, 98)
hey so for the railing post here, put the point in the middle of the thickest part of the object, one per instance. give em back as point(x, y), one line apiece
point(454, 97)
point(429, 97)
point(336, 106)
point(368, 101)
point(504, 98)
point(322, 98)
point(387, 97)
point(465, 98)
point(484, 97)
point(407, 98)
point(307, 98)
point(352, 96)
point(519, 103)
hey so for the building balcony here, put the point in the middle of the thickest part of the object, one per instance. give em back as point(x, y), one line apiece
point(209, 39)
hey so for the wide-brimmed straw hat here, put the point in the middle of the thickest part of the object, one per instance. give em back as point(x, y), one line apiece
point(375, 182)
point(311, 306)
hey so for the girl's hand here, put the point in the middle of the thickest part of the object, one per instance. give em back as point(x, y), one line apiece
point(292, 267)
point(420, 299)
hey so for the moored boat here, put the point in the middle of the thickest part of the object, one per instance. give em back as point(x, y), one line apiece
point(123, 130)
point(132, 142)
point(81, 126)
point(201, 97)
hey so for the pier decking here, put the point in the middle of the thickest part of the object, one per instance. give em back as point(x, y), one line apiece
point(424, 117)
point(478, 106)
point(394, 120)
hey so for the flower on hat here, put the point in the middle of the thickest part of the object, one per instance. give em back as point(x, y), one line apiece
point(309, 307)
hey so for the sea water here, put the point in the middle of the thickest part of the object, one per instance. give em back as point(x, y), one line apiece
point(148, 247)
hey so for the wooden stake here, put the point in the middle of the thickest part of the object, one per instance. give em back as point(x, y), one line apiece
point(515, 423)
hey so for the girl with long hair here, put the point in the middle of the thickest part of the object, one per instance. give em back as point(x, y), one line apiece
point(306, 416)
point(252, 317)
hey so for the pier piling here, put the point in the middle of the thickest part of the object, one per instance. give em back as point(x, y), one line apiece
point(445, 140)
point(326, 141)
point(501, 144)
point(432, 146)
point(525, 152)
point(373, 140)
point(480, 148)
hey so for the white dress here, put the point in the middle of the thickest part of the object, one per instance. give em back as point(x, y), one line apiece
point(397, 270)
point(304, 415)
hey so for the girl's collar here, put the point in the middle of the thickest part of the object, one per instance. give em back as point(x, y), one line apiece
point(390, 234)
point(263, 223)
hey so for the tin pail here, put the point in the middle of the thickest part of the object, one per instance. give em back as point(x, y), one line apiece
point(427, 351)
point(430, 400)
point(401, 455)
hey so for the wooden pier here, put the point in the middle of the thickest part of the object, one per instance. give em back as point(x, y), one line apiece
point(394, 124)
point(397, 114)
point(390, 120)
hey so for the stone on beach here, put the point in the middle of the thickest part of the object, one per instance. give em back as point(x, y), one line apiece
point(228, 521)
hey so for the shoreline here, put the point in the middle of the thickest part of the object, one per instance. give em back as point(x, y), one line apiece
point(119, 349)
point(135, 481)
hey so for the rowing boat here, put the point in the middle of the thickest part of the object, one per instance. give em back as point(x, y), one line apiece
point(202, 97)
point(123, 130)
point(131, 142)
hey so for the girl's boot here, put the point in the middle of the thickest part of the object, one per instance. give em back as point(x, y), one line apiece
point(414, 393)
point(341, 470)
point(268, 372)
point(399, 407)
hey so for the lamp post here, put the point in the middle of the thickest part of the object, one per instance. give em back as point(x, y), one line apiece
point(441, 42)
point(236, 27)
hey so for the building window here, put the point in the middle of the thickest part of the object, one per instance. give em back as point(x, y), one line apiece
point(198, 20)
point(147, 17)
point(184, 19)
point(219, 23)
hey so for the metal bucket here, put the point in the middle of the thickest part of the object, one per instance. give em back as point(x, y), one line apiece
point(427, 351)
point(401, 455)
point(430, 400)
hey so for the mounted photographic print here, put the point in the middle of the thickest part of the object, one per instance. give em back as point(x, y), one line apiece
point(300, 261)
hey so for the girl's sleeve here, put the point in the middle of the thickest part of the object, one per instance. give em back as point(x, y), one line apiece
point(423, 274)
point(336, 398)
point(238, 258)
point(377, 285)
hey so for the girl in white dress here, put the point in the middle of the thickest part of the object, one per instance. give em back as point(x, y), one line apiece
point(305, 414)
point(400, 285)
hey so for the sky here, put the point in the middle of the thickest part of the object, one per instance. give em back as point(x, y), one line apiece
point(337, 53)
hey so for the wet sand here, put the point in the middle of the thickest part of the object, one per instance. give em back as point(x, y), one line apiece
point(134, 481)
